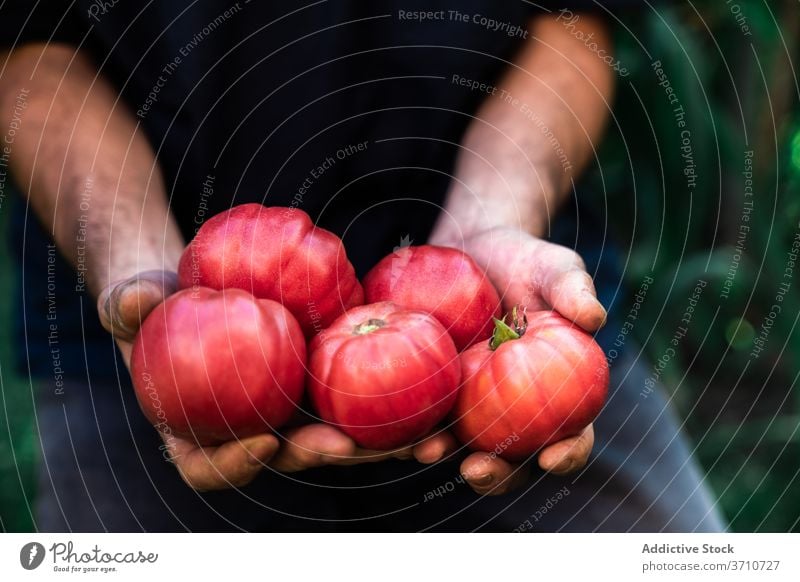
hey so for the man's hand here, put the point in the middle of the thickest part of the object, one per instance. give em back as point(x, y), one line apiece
point(535, 274)
point(124, 305)
point(509, 180)
point(236, 463)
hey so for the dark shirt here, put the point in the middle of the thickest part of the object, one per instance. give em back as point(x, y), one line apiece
point(348, 110)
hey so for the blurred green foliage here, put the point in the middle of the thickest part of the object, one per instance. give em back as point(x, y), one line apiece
point(18, 441)
point(739, 94)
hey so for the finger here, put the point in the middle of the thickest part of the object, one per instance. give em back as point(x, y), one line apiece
point(568, 455)
point(233, 464)
point(571, 292)
point(435, 447)
point(124, 305)
point(428, 451)
point(373, 456)
point(361, 455)
point(491, 475)
point(313, 445)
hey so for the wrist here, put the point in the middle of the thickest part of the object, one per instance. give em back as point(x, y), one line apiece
point(468, 214)
point(509, 191)
point(112, 246)
point(125, 259)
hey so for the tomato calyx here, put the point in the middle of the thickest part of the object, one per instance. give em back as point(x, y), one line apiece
point(504, 332)
point(368, 326)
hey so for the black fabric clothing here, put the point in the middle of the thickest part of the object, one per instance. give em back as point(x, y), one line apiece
point(251, 100)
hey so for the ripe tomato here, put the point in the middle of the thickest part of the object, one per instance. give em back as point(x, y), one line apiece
point(274, 253)
point(442, 281)
point(541, 384)
point(215, 365)
point(383, 375)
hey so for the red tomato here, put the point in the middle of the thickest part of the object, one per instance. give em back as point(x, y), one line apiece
point(531, 391)
point(274, 253)
point(215, 365)
point(442, 281)
point(383, 375)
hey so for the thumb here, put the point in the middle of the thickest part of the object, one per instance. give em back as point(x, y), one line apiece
point(123, 305)
point(571, 292)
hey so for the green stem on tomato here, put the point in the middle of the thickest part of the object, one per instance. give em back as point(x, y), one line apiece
point(368, 326)
point(504, 332)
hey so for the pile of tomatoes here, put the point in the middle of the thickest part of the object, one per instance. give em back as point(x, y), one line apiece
point(272, 324)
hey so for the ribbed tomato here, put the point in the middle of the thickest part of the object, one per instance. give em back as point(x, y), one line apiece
point(532, 385)
point(274, 253)
point(442, 281)
point(383, 375)
point(211, 366)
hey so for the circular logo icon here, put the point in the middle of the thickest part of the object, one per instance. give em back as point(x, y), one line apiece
point(31, 555)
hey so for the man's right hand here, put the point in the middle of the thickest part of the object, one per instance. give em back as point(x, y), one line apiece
point(122, 307)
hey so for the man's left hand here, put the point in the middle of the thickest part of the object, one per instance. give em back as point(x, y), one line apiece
point(536, 274)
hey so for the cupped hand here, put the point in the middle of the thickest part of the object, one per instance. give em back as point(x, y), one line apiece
point(236, 463)
point(123, 305)
point(488, 474)
point(535, 274)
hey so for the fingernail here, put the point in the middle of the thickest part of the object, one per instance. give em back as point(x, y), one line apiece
point(254, 459)
point(115, 300)
point(481, 481)
point(426, 460)
point(328, 458)
point(594, 298)
point(565, 466)
point(605, 315)
point(257, 453)
point(600, 305)
point(104, 305)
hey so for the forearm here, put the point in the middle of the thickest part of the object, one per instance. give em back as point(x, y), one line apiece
point(87, 169)
point(535, 133)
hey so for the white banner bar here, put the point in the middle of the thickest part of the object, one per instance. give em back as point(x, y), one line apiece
point(399, 557)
